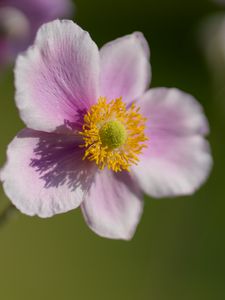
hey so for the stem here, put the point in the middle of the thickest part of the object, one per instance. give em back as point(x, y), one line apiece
point(7, 214)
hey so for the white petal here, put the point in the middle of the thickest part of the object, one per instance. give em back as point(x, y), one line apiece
point(125, 68)
point(44, 174)
point(113, 205)
point(177, 160)
point(58, 77)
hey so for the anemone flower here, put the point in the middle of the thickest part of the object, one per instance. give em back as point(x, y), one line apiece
point(95, 137)
point(212, 42)
point(20, 19)
point(222, 2)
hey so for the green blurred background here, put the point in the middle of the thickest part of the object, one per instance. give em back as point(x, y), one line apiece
point(178, 251)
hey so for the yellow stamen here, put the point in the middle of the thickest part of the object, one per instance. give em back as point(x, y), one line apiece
point(113, 135)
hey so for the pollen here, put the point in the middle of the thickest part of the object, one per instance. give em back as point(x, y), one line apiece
point(113, 135)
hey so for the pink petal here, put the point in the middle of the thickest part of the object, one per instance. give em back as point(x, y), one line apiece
point(44, 174)
point(113, 205)
point(177, 160)
point(57, 77)
point(125, 68)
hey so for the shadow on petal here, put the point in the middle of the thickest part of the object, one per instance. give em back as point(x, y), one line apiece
point(57, 158)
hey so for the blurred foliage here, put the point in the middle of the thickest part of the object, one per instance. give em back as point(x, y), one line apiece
point(178, 250)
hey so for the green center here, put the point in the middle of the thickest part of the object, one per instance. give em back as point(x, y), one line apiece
point(113, 134)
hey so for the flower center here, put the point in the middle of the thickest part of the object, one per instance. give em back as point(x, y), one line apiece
point(113, 135)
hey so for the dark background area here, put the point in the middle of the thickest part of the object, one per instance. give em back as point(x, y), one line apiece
point(178, 251)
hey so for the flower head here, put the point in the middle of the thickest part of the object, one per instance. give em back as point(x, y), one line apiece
point(113, 135)
point(211, 37)
point(222, 2)
point(20, 20)
point(96, 138)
